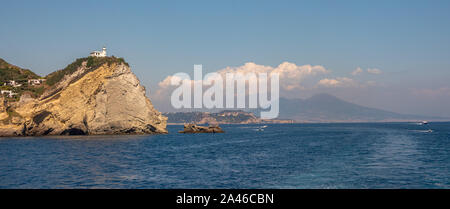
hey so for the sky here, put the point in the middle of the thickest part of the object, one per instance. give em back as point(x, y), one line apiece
point(392, 55)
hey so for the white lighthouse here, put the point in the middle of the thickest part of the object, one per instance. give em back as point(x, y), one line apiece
point(99, 54)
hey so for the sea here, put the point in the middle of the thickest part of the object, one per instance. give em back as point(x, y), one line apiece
point(335, 155)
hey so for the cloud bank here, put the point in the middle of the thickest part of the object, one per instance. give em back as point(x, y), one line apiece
point(291, 75)
point(337, 82)
point(295, 80)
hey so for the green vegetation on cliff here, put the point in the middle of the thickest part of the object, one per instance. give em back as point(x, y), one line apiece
point(12, 72)
point(92, 63)
point(20, 76)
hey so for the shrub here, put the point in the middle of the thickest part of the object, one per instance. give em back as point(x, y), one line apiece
point(92, 63)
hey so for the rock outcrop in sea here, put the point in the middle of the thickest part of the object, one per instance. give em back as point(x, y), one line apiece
point(192, 128)
point(91, 96)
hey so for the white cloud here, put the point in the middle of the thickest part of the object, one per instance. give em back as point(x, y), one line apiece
point(295, 80)
point(337, 82)
point(357, 71)
point(292, 77)
point(329, 82)
point(290, 74)
point(374, 71)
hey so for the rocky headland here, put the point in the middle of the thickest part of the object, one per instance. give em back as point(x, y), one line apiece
point(91, 96)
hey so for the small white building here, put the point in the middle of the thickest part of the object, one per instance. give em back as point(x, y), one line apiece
point(35, 82)
point(8, 93)
point(12, 83)
point(99, 54)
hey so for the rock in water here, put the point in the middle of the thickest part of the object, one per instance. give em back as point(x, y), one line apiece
point(192, 128)
point(105, 100)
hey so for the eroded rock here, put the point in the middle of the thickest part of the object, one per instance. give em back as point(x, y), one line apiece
point(107, 100)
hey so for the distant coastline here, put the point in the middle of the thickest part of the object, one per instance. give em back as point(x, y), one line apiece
point(223, 117)
point(243, 117)
point(324, 122)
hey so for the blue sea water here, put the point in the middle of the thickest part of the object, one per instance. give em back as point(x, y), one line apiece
point(362, 155)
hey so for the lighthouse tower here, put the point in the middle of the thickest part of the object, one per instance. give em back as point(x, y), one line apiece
point(99, 54)
point(104, 52)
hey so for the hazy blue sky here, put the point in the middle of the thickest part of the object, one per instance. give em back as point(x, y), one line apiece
point(408, 41)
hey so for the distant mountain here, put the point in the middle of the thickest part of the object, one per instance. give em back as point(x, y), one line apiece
point(316, 109)
point(328, 108)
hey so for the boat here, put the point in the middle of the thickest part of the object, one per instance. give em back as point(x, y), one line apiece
point(261, 128)
point(423, 122)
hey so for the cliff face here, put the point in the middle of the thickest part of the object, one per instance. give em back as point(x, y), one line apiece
point(3, 113)
point(106, 100)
